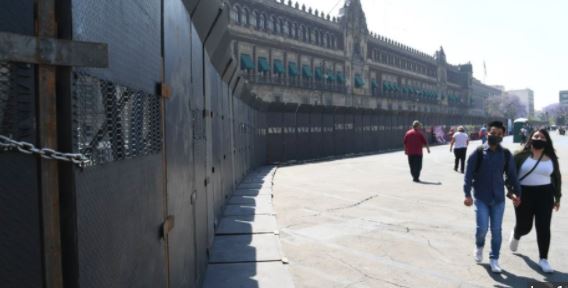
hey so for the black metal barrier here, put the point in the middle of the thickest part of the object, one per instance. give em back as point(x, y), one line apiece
point(301, 132)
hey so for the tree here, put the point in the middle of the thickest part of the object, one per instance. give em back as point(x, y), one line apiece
point(506, 106)
point(557, 112)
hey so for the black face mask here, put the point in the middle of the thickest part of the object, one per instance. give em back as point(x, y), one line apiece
point(494, 140)
point(538, 144)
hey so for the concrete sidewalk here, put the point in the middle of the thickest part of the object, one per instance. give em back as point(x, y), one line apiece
point(246, 251)
point(362, 222)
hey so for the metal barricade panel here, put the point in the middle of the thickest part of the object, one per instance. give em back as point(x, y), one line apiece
point(303, 135)
point(134, 42)
point(328, 134)
point(20, 236)
point(178, 146)
point(119, 218)
point(349, 136)
point(316, 135)
point(199, 152)
point(359, 132)
point(275, 137)
point(290, 136)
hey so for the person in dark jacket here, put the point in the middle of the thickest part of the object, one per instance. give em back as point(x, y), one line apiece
point(539, 172)
point(484, 173)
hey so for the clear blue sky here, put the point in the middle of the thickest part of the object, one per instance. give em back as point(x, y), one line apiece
point(524, 43)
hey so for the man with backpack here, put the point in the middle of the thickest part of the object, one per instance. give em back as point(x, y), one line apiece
point(484, 173)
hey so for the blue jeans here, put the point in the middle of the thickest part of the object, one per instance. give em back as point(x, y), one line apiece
point(486, 215)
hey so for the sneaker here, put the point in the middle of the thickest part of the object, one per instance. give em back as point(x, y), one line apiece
point(513, 243)
point(545, 266)
point(495, 268)
point(478, 254)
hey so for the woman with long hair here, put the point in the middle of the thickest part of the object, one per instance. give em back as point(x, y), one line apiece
point(539, 175)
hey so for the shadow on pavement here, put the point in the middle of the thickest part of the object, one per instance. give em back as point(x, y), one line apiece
point(557, 276)
point(508, 279)
point(429, 183)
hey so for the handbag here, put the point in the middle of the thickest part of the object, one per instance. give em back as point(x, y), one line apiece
point(510, 187)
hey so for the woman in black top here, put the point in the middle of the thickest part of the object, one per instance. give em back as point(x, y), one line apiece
point(539, 175)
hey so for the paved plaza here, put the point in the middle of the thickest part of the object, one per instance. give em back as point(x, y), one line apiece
point(362, 222)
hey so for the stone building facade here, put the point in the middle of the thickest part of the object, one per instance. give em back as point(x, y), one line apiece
point(293, 54)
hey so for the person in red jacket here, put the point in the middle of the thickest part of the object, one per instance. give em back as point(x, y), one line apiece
point(414, 142)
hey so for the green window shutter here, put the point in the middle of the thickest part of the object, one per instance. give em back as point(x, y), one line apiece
point(319, 73)
point(246, 62)
point(306, 71)
point(395, 87)
point(292, 69)
point(340, 77)
point(374, 84)
point(330, 77)
point(278, 66)
point(263, 64)
point(359, 81)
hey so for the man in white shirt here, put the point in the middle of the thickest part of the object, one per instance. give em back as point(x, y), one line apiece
point(459, 143)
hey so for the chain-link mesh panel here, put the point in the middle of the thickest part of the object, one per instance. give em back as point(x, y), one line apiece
point(16, 100)
point(5, 84)
point(113, 122)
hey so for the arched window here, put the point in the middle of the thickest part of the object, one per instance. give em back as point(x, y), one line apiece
point(294, 30)
point(261, 22)
point(313, 36)
point(279, 26)
point(253, 19)
point(303, 32)
point(246, 19)
point(327, 40)
point(275, 26)
point(235, 14)
point(270, 24)
point(286, 28)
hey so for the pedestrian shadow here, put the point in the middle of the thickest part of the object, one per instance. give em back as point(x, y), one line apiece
point(429, 183)
point(557, 276)
point(507, 279)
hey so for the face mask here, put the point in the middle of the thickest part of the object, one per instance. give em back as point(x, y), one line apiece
point(538, 144)
point(494, 140)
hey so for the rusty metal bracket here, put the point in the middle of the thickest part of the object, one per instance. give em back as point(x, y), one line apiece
point(168, 225)
point(52, 51)
point(166, 90)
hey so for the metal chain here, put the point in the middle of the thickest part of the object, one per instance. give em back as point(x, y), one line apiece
point(8, 144)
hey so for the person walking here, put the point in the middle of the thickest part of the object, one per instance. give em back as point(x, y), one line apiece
point(459, 143)
point(541, 182)
point(484, 173)
point(414, 142)
point(524, 133)
point(483, 134)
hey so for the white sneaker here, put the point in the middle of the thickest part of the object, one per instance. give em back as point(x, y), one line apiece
point(513, 243)
point(478, 254)
point(494, 263)
point(545, 266)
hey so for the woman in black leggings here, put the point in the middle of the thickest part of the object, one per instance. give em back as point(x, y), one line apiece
point(540, 179)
